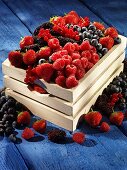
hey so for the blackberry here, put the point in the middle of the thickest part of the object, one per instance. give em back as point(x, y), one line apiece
point(64, 40)
point(34, 47)
point(40, 42)
point(56, 135)
point(54, 33)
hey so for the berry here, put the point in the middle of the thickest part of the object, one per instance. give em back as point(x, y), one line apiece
point(15, 58)
point(112, 32)
point(105, 127)
point(69, 47)
point(71, 82)
point(54, 43)
point(107, 42)
point(57, 136)
point(99, 26)
point(94, 42)
point(93, 118)
point(1, 132)
point(26, 41)
point(41, 61)
point(67, 59)
point(85, 45)
point(95, 58)
point(99, 46)
point(39, 89)
point(61, 81)
point(45, 71)
point(18, 106)
point(13, 138)
point(117, 40)
point(27, 133)
point(76, 46)
point(59, 64)
point(84, 62)
point(71, 19)
point(39, 126)
point(92, 27)
point(79, 137)
point(75, 56)
point(9, 131)
point(44, 52)
point(23, 118)
point(77, 63)
point(80, 74)
point(89, 65)
point(104, 51)
point(55, 56)
point(29, 57)
point(86, 54)
point(70, 70)
point(116, 118)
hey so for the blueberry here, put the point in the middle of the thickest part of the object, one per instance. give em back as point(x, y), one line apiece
point(118, 78)
point(92, 27)
point(69, 25)
point(88, 35)
point(41, 61)
point(9, 130)
point(95, 37)
point(90, 31)
point(122, 106)
point(77, 28)
point(84, 29)
point(85, 34)
point(1, 132)
point(13, 138)
point(104, 51)
point(114, 89)
point(117, 40)
point(3, 93)
point(86, 39)
point(3, 99)
point(11, 110)
point(81, 36)
point(94, 42)
point(50, 60)
point(99, 46)
point(116, 82)
point(11, 102)
point(123, 76)
point(100, 55)
point(99, 33)
point(123, 83)
point(18, 106)
point(5, 107)
point(14, 124)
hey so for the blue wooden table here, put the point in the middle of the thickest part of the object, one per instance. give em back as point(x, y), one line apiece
point(101, 151)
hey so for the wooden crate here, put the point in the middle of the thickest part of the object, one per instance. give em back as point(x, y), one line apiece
point(58, 104)
point(56, 117)
point(74, 94)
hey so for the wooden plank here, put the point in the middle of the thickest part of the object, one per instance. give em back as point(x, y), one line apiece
point(57, 103)
point(58, 118)
point(73, 94)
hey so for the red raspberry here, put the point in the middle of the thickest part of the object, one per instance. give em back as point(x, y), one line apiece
point(93, 118)
point(45, 71)
point(58, 20)
point(71, 82)
point(71, 19)
point(116, 118)
point(60, 73)
point(40, 126)
point(27, 133)
point(55, 56)
point(112, 32)
point(89, 66)
point(93, 49)
point(70, 70)
point(107, 42)
point(79, 137)
point(67, 59)
point(77, 63)
point(85, 46)
point(15, 58)
point(76, 46)
point(80, 74)
point(28, 40)
point(54, 43)
point(39, 89)
point(99, 26)
point(59, 64)
point(63, 52)
point(95, 58)
point(84, 62)
point(86, 54)
point(105, 127)
point(75, 56)
point(61, 81)
point(29, 57)
point(69, 47)
point(74, 13)
point(44, 52)
point(23, 118)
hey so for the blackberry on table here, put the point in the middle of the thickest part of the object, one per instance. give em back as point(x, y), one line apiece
point(56, 135)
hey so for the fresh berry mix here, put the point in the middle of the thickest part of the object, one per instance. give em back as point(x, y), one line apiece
point(105, 127)
point(27, 133)
point(23, 118)
point(78, 137)
point(70, 44)
point(39, 126)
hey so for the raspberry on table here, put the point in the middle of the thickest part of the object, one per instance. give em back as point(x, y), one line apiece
point(78, 137)
point(26, 41)
point(105, 127)
point(27, 133)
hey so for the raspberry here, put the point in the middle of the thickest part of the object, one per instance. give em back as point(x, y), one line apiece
point(71, 19)
point(76, 46)
point(70, 70)
point(107, 42)
point(93, 49)
point(95, 58)
point(59, 64)
point(57, 136)
point(45, 71)
point(54, 43)
point(93, 118)
point(85, 45)
point(105, 127)
point(71, 82)
point(79, 137)
point(60, 73)
point(86, 54)
point(69, 47)
point(39, 89)
point(26, 41)
point(99, 26)
point(80, 74)
point(84, 62)
point(75, 56)
point(15, 58)
point(23, 118)
point(112, 32)
point(55, 56)
point(27, 133)
point(63, 52)
point(116, 118)
point(39, 126)
point(29, 57)
point(77, 63)
point(89, 66)
point(61, 81)
point(67, 59)
point(44, 52)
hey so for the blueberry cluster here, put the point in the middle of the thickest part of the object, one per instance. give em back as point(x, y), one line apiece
point(91, 34)
point(8, 115)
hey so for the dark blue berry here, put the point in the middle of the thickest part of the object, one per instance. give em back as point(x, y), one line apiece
point(100, 55)
point(95, 37)
point(92, 27)
point(84, 29)
point(89, 35)
point(11, 102)
point(86, 39)
point(3, 93)
point(50, 60)
point(81, 36)
point(117, 40)
point(18, 106)
point(91, 32)
point(99, 46)
point(104, 51)
point(13, 138)
point(14, 124)
point(11, 110)
point(94, 42)
point(9, 130)
point(1, 132)
point(69, 25)
point(41, 61)
point(77, 28)
point(122, 106)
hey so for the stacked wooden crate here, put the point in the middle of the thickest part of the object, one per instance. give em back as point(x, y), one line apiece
point(61, 106)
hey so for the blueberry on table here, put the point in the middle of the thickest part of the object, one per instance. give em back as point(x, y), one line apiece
point(1, 132)
point(13, 138)
point(104, 51)
point(117, 40)
point(9, 130)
